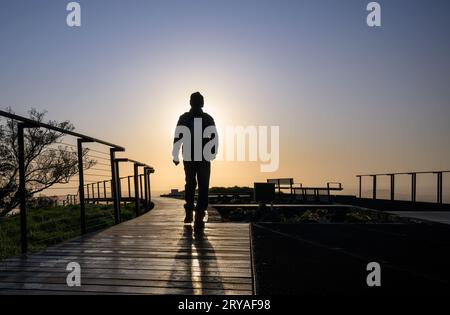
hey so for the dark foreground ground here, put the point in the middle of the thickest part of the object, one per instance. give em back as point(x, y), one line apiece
point(331, 259)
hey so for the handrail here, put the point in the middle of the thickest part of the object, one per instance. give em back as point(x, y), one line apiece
point(402, 173)
point(135, 162)
point(34, 123)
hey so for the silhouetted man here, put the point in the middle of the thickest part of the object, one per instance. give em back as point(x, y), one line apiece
point(197, 134)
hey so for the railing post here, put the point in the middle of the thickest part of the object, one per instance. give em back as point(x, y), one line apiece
point(93, 193)
point(149, 187)
point(147, 203)
point(413, 186)
point(22, 188)
point(392, 186)
point(439, 187)
point(360, 185)
point(119, 185)
point(129, 186)
point(141, 187)
point(114, 189)
point(136, 189)
point(328, 192)
point(374, 187)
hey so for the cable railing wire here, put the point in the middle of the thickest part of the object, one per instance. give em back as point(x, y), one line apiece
point(95, 202)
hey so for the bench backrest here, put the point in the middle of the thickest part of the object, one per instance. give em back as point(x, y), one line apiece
point(334, 185)
point(281, 181)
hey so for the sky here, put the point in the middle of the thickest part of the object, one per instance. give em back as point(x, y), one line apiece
point(348, 99)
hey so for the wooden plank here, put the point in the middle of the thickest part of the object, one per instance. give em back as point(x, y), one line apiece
point(166, 283)
point(117, 289)
point(153, 254)
point(9, 276)
point(128, 263)
point(200, 268)
point(151, 272)
point(53, 261)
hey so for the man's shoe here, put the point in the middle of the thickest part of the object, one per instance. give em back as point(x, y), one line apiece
point(198, 222)
point(188, 218)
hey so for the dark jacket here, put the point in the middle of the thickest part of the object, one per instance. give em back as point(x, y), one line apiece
point(187, 120)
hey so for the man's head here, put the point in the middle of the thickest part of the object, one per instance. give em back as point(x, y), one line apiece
point(196, 100)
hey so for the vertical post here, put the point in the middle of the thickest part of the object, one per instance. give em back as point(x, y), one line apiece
point(328, 192)
point(413, 186)
point(129, 186)
point(119, 185)
point(140, 186)
point(98, 190)
point(291, 182)
point(110, 185)
point(104, 189)
point(22, 191)
point(392, 186)
point(360, 186)
point(87, 191)
point(374, 187)
point(149, 187)
point(147, 202)
point(136, 189)
point(114, 190)
point(439, 187)
point(93, 192)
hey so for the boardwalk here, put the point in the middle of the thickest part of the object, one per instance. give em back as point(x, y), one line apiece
point(153, 254)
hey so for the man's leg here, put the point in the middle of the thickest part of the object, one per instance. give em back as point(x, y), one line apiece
point(189, 189)
point(203, 174)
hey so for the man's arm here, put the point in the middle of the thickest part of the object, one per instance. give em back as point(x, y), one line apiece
point(213, 137)
point(177, 142)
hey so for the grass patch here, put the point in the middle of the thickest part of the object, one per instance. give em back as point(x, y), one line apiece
point(52, 225)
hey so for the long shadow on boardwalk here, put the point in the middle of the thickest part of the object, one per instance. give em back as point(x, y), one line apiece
point(201, 262)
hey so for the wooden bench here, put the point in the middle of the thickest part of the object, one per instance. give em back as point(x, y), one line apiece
point(300, 190)
point(331, 186)
point(284, 184)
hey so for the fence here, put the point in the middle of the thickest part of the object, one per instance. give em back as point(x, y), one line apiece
point(141, 183)
point(413, 175)
point(103, 159)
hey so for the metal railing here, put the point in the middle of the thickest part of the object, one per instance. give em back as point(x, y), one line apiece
point(439, 186)
point(142, 191)
point(26, 123)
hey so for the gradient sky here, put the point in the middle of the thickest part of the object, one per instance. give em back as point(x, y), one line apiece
point(348, 99)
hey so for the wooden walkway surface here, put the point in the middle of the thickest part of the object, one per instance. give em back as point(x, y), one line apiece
point(153, 254)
